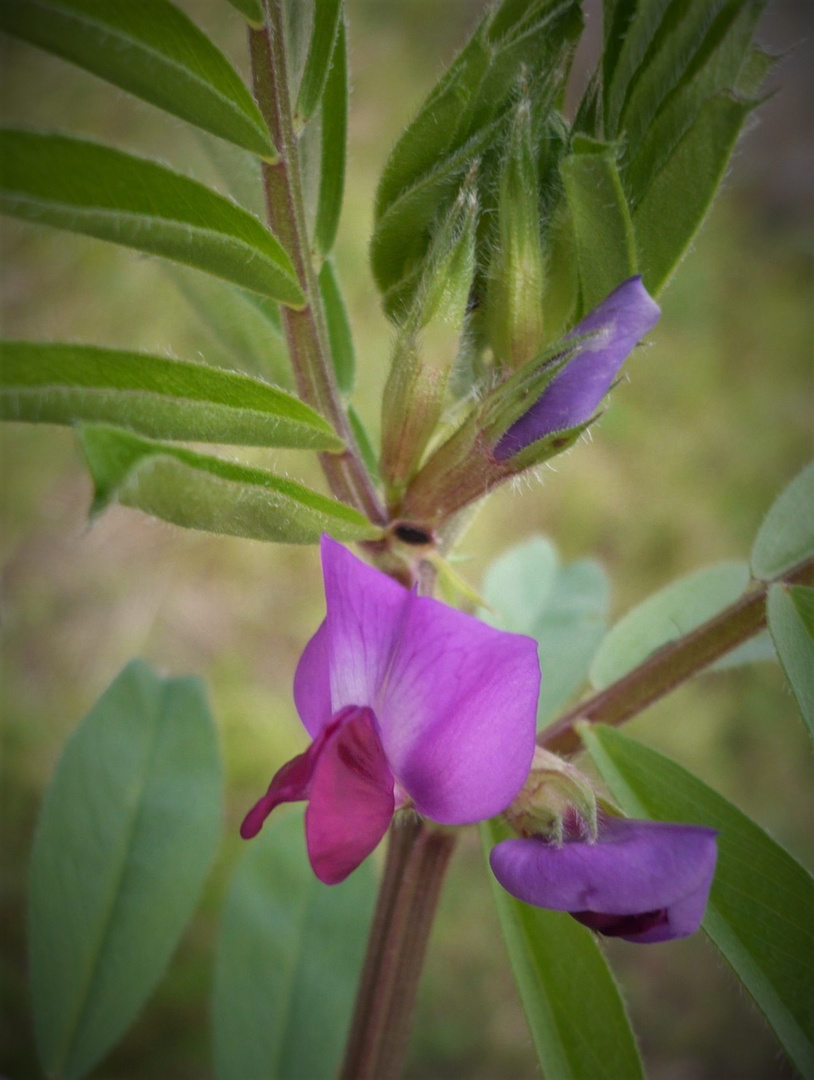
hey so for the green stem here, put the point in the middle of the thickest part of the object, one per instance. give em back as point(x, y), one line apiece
point(417, 857)
point(672, 664)
point(305, 330)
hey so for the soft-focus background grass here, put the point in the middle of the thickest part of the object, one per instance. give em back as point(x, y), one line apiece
point(716, 416)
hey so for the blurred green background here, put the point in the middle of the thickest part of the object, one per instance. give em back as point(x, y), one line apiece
point(715, 417)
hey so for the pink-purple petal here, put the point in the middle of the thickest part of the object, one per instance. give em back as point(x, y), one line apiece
point(351, 798)
point(312, 683)
point(653, 877)
point(458, 713)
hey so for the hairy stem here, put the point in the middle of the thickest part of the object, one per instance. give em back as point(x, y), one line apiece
point(305, 330)
point(672, 664)
point(417, 858)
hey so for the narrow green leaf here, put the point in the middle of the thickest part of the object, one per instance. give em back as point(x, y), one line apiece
point(251, 10)
point(153, 395)
point(288, 960)
point(334, 133)
point(679, 195)
point(245, 325)
point(715, 68)
point(128, 831)
point(339, 331)
point(630, 30)
point(791, 621)
point(759, 912)
point(572, 1003)
point(324, 35)
point(365, 444)
point(565, 608)
point(102, 192)
point(786, 536)
point(154, 51)
point(201, 492)
point(606, 246)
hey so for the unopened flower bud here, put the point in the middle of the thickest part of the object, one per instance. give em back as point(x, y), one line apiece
point(516, 279)
point(427, 345)
point(555, 802)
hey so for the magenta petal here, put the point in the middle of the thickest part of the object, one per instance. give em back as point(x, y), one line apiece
point(458, 714)
point(312, 683)
point(619, 322)
point(644, 881)
point(351, 799)
point(291, 783)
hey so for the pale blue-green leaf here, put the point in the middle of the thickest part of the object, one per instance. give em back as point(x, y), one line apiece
point(127, 834)
point(786, 536)
point(757, 649)
point(93, 189)
point(251, 10)
point(572, 1003)
point(339, 331)
point(327, 16)
point(153, 395)
point(152, 50)
point(334, 134)
point(681, 192)
point(759, 912)
point(665, 616)
point(288, 960)
point(245, 325)
point(791, 621)
point(197, 491)
point(605, 244)
point(565, 608)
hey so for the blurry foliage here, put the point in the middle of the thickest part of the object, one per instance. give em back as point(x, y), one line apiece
point(715, 418)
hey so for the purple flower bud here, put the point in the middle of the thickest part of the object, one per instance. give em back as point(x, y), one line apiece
point(406, 700)
point(617, 324)
point(644, 881)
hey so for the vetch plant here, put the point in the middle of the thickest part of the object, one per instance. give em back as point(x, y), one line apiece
point(520, 253)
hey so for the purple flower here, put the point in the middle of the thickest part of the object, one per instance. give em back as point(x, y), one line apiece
point(407, 700)
point(643, 881)
point(619, 322)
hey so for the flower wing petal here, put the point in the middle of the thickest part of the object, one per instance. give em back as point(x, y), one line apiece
point(636, 868)
point(351, 798)
point(458, 712)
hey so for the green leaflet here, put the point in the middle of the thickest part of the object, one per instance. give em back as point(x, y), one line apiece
point(288, 959)
point(605, 244)
point(333, 138)
point(153, 395)
point(668, 614)
point(680, 194)
point(572, 1003)
point(327, 17)
point(129, 828)
point(786, 536)
point(102, 192)
point(339, 331)
point(251, 10)
point(791, 621)
point(197, 491)
point(564, 608)
point(759, 913)
point(154, 51)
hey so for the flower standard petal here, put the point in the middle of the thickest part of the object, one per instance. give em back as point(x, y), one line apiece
point(351, 798)
point(458, 712)
point(312, 683)
point(657, 870)
point(616, 324)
